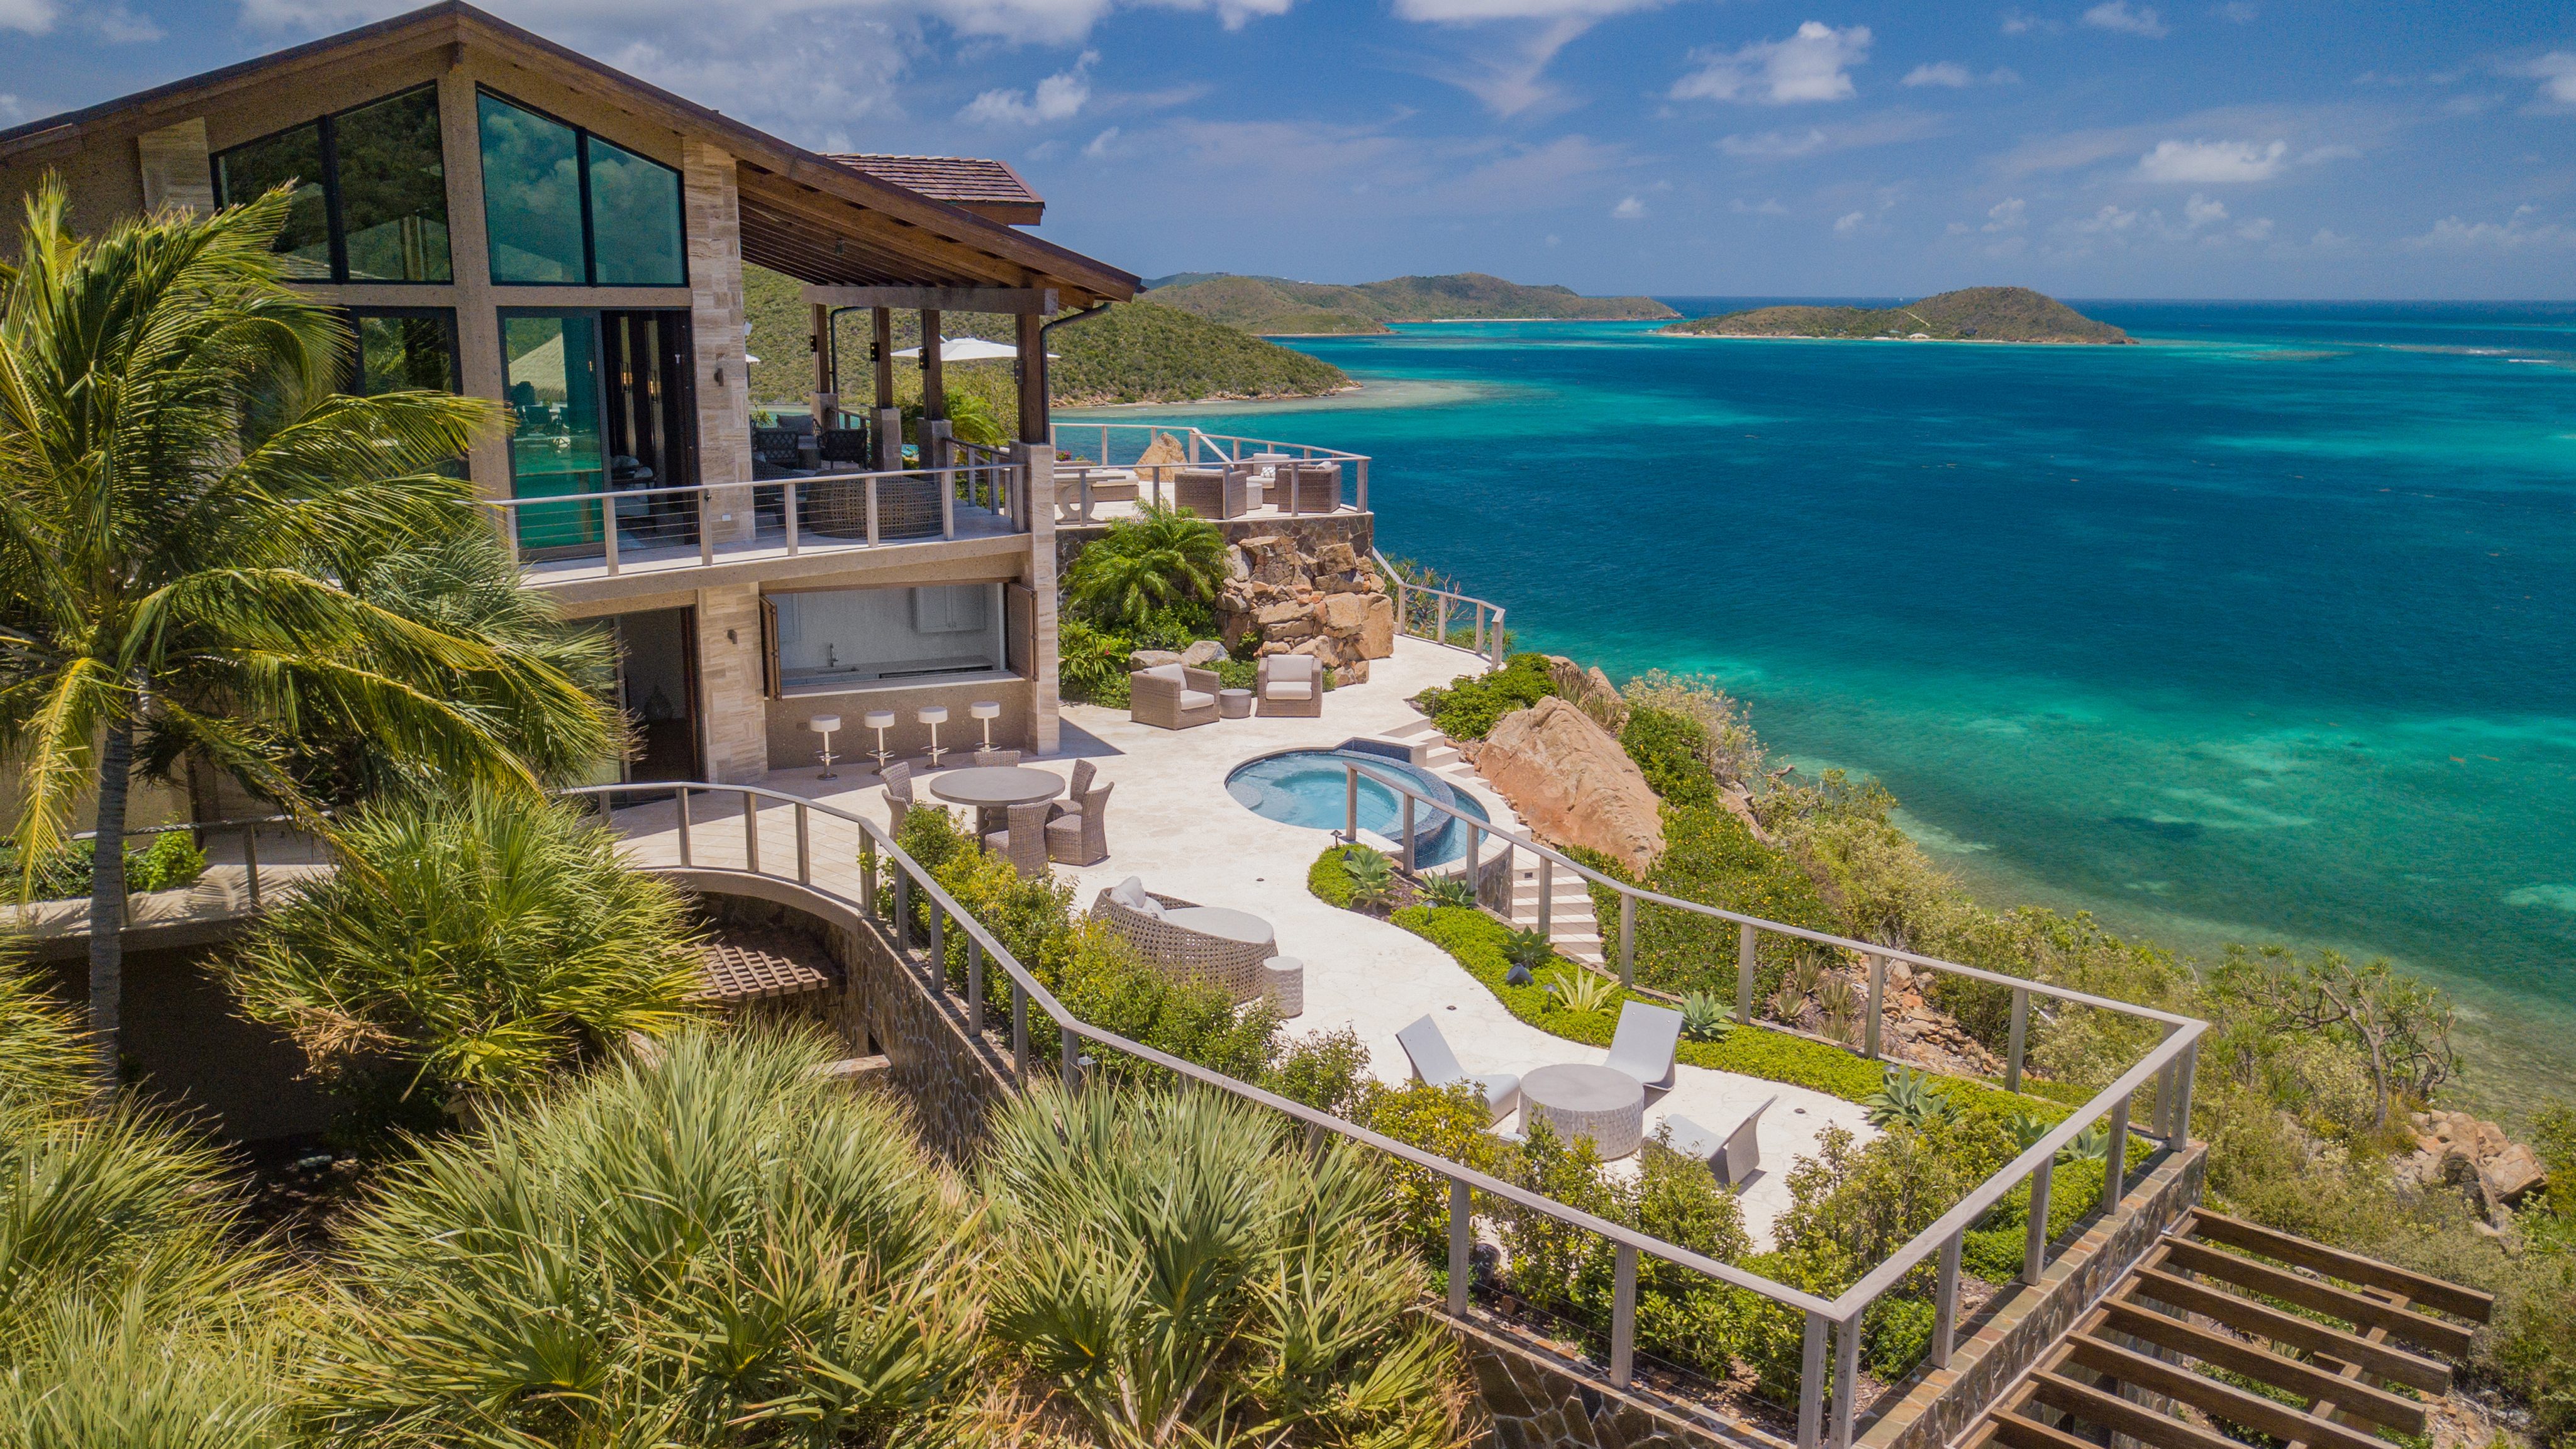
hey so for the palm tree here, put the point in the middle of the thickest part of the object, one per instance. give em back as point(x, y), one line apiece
point(1144, 563)
point(182, 497)
point(714, 1247)
point(472, 944)
point(1169, 1271)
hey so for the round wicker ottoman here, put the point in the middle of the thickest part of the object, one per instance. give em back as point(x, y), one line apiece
point(1602, 1103)
point(1283, 980)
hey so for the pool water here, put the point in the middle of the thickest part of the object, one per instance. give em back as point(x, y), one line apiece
point(1306, 787)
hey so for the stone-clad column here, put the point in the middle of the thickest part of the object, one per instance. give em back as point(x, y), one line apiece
point(1045, 703)
point(733, 713)
point(723, 385)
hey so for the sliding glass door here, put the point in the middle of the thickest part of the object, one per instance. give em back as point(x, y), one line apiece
point(552, 365)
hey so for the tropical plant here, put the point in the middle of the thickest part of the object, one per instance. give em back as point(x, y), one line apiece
point(181, 495)
point(1841, 1006)
point(469, 946)
point(1167, 1270)
point(1161, 557)
point(172, 860)
point(1372, 875)
point(1469, 705)
point(1527, 948)
point(1449, 890)
point(971, 419)
point(1091, 666)
point(1787, 1004)
point(713, 1246)
point(1909, 1098)
point(44, 1061)
point(1706, 1017)
point(1577, 990)
point(2401, 1026)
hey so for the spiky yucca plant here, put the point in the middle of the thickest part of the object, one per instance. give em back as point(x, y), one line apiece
point(716, 1247)
point(44, 1059)
point(1167, 1270)
point(471, 944)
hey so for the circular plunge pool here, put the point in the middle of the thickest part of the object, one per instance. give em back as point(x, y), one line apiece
point(1305, 787)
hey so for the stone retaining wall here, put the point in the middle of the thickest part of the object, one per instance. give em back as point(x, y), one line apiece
point(1527, 1398)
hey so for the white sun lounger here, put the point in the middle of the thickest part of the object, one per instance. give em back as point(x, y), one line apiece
point(1645, 1043)
point(1732, 1155)
point(1433, 1062)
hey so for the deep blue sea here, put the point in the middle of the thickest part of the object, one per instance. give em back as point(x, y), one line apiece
point(2258, 632)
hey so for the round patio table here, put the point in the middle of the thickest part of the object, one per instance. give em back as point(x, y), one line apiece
point(1602, 1103)
point(993, 789)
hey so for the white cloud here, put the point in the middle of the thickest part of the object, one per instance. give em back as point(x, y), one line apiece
point(2018, 22)
point(2110, 220)
point(2007, 214)
point(2115, 15)
point(32, 16)
point(2200, 211)
point(2556, 72)
point(1940, 73)
point(1769, 207)
point(2259, 229)
point(2327, 238)
point(2518, 233)
point(1629, 209)
point(1101, 143)
point(1059, 97)
point(2236, 12)
point(1848, 222)
point(1876, 131)
point(1812, 65)
point(1554, 240)
point(2210, 163)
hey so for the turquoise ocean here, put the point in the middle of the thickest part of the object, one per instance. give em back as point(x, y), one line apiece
point(2262, 631)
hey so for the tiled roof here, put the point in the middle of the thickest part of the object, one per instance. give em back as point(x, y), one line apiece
point(990, 189)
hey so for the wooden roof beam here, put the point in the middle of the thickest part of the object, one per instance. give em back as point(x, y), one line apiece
point(1040, 300)
point(2216, 1399)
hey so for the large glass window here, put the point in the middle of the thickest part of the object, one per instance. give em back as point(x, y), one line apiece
point(399, 349)
point(564, 207)
point(250, 171)
point(531, 195)
point(634, 219)
point(552, 361)
point(370, 202)
point(836, 639)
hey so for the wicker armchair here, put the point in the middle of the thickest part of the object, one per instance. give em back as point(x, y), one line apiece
point(1214, 492)
point(1166, 938)
point(1080, 836)
point(1289, 684)
point(1307, 488)
point(1172, 696)
point(1024, 842)
point(898, 793)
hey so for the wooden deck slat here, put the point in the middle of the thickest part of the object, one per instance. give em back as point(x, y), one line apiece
point(2433, 1333)
point(2262, 1319)
point(2369, 1272)
point(2219, 1400)
point(2113, 1412)
point(2377, 1405)
point(2023, 1432)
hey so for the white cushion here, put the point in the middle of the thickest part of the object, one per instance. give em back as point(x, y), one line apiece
point(1291, 689)
point(1218, 921)
point(1171, 672)
point(1196, 698)
point(1292, 667)
point(1131, 894)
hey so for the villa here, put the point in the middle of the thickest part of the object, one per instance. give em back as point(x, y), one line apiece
point(502, 217)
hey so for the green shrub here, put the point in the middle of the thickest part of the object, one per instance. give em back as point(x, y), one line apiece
point(1712, 858)
point(1091, 665)
point(1329, 880)
point(1669, 749)
point(1471, 703)
point(1895, 1334)
point(1327, 1071)
point(1446, 1121)
point(171, 861)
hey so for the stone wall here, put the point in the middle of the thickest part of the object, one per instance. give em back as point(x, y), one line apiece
point(1935, 1406)
point(945, 1076)
point(1527, 1398)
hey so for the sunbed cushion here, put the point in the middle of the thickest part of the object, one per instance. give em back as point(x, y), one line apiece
point(1222, 923)
point(1291, 689)
point(1131, 894)
point(1196, 698)
point(1171, 672)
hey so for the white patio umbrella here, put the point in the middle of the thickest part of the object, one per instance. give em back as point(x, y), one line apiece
point(968, 349)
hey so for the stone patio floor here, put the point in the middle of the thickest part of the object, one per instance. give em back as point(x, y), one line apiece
point(1172, 824)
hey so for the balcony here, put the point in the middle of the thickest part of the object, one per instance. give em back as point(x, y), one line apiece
point(1108, 471)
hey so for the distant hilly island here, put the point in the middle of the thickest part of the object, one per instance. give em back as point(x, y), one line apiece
point(1972, 314)
point(1277, 307)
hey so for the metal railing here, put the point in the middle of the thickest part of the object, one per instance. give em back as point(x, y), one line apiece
point(1295, 476)
point(2170, 1063)
point(1425, 612)
point(247, 828)
point(828, 510)
point(1840, 1317)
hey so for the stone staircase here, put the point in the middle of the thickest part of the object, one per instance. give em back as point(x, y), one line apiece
point(1571, 925)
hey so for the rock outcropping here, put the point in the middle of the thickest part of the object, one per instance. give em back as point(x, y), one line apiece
point(1330, 603)
point(1573, 784)
point(2457, 1149)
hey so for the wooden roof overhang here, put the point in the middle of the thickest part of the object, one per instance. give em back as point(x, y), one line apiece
point(802, 213)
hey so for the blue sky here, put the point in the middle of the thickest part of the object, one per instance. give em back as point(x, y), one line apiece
point(2173, 149)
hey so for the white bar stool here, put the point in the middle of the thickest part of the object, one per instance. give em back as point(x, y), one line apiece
point(987, 710)
point(880, 720)
point(934, 715)
point(824, 724)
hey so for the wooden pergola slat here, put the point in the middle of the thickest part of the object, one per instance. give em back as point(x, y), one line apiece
point(2217, 1399)
point(2351, 1267)
point(2377, 1405)
point(2020, 1431)
point(2264, 1321)
point(2433, 1333)
point(2113, 1412)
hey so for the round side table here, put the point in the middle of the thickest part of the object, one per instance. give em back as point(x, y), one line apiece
point(1234, 704)
point(1602, 1103)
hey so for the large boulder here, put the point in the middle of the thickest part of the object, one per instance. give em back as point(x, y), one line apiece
point(1342, 613)
point(1573, 784)
point(1272, 559)
point(1377, 631)
point(1203, 654)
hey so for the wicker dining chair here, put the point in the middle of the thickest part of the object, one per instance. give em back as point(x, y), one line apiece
point(1081, 836)
point(898, 791)
point(1071, 804)
point(992, 759)
point(1024, 842)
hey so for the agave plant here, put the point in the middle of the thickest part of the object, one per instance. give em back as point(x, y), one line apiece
point(1575, 989)
point(1788, 1004)
point(716, 1246)
point(1168, 1271)
point(1528, 948)
point(1908, 1098)
point(1372, 875)
point(1705, 1017)
point(1449, 890)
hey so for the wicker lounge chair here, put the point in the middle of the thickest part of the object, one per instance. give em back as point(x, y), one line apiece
point(1307, 488)
point(1433, 1062)
point(898, 788)
point(1289, 684)
point(1172, 696)
point(1081, 836)
point(1646, 1042)
point(1024, 842)
point(1213, 492)
point(1201, 943)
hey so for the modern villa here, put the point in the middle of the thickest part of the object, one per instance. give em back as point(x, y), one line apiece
point(507, 218)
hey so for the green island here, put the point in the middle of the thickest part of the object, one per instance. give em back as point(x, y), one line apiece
point(1972, 314)
point(1277, 307)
